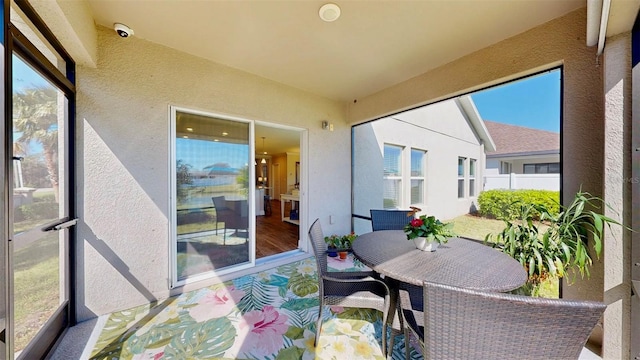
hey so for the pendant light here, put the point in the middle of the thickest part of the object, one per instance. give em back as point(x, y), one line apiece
point(263, 161)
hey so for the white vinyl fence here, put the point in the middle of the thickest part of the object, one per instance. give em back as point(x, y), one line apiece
point(522, 181)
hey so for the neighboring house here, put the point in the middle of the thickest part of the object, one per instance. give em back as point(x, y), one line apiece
point(524, 158)
point(431, 157)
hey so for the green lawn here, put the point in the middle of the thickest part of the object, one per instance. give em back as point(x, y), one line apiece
point(476, 227)
point(36, 287)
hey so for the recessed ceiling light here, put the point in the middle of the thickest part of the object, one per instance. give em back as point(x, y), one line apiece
point(189, 129)
point(225, 133)
point(329, 12)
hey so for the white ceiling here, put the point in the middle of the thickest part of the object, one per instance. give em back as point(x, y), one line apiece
point(373, 45)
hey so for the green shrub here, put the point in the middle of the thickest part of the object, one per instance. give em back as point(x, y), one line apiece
point(506, 204)
point(37, 211)
point(388, 203)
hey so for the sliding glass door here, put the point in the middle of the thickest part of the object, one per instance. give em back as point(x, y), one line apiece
point(213, 213)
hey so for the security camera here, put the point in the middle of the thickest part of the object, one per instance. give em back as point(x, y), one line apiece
point(123, 30)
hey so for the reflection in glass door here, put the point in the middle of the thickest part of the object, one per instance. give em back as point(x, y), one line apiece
point(212, 218)
point(40, 207)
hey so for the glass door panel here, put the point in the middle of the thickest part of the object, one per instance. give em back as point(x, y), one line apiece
point(212, 157)
point(39, 117)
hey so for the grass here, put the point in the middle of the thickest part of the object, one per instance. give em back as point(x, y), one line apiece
point(194, 221)
point(36, 287)
point(550, 288)
point(477, 227)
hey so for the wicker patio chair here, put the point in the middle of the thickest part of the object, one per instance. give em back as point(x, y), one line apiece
point(467, 324)
point(389, 219)
point(348, 289)
point(234, 215)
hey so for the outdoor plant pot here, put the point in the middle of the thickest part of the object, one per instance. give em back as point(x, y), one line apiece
point(423, 244)
point(343, 255)
point(332, 251)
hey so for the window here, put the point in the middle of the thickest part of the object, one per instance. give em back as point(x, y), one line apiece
point(472, 177)
point(505, 167)
point(392, 177)
point(542, 168)
point(417, 176)
point(461, 162)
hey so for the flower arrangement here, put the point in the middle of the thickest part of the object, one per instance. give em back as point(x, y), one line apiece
point(428, 227)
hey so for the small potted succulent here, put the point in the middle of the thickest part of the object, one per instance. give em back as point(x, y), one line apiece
point(427, 232)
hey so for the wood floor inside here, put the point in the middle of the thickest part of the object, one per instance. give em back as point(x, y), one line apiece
point(274, 236)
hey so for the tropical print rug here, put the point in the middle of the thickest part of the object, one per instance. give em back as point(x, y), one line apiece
point(267, 315)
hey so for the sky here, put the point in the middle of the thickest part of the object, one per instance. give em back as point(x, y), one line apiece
point(533, 102)
point(24, 76)
point(200, 153)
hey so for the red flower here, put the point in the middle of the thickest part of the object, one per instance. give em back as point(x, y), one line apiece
point(416, 222)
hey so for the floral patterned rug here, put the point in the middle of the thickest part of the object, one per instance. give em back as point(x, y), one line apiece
point(267, 315)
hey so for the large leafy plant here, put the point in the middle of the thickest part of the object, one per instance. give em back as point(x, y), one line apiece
point(556, 242)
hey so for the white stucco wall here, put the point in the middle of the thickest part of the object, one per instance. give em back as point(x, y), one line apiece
point(443, 132)
point(123, 159)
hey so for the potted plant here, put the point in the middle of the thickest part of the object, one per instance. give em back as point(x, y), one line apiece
point(333, 242)
point(547, 244)
point(339, 245)
point(427, 232)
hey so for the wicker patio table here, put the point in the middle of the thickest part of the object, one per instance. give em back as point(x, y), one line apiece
point(460, 262)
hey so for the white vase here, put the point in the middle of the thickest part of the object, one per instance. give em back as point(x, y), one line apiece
point(424, 245)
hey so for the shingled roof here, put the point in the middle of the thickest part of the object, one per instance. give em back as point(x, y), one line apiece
point(512, 139)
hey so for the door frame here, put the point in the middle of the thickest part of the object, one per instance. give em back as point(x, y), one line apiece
point(16, 42)
point(254, 264)
point(172, 206)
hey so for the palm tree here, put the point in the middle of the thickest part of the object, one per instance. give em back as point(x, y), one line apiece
point(35, 117)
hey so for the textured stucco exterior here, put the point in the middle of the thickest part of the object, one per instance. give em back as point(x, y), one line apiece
point(123, 152)
point(617, 146)
point(73, 26)
point(635, 200)
point(443, 131)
